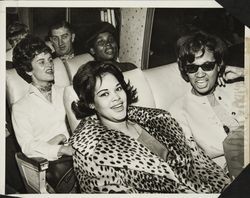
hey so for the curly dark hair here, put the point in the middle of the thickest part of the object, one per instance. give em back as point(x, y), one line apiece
point(84, 85)
point(187, 46)
point(24, 52)
point(16, 29)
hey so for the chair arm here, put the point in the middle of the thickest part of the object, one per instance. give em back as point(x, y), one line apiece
point(64, 158)
point(38, 162)
point(33, 171)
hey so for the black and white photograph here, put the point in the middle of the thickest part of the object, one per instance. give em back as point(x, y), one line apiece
point(124, 99)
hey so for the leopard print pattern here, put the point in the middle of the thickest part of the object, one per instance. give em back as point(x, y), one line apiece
point(109, 161)
point(202, 172)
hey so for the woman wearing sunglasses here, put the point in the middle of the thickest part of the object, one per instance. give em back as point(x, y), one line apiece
point(208, 112)
point(122, 148)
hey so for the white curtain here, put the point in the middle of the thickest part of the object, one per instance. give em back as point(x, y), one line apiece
point(108, 15)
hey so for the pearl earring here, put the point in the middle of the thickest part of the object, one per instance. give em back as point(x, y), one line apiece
point(91, 106)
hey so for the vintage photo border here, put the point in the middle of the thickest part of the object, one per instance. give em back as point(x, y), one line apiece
point(127, 4)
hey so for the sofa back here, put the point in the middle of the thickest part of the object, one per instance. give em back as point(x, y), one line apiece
point(9, 55)
point(73, 64)
point(166, 84)
point(157, 88)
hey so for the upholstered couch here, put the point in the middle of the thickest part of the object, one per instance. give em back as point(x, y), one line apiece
point(158, 87)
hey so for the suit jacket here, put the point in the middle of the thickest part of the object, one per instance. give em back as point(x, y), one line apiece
point(109, 161)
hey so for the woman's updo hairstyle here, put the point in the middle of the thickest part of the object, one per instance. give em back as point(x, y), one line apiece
point(84, 83)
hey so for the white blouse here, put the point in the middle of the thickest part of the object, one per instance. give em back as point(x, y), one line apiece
point(36, 121)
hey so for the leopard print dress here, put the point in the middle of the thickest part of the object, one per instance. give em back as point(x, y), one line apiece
point(108, 161)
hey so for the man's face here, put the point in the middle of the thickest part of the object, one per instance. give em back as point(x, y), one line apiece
point(105, 47)
point(203, 80)
point(42, 69)
point(62, 40)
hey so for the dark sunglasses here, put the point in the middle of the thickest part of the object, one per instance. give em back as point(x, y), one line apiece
point(208, 66)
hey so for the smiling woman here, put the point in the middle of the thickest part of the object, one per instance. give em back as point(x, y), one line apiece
point(208, 112)
point(110, 100)
point(121, 148)
point(41, 135)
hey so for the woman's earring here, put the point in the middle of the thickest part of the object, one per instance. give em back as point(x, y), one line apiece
point(92, 106)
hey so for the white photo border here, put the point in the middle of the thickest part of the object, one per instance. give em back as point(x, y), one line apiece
point(125, 4)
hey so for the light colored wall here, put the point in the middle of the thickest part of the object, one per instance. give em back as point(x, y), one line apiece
point(132, 34)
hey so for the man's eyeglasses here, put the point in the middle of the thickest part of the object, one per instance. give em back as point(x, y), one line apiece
point(208, 66)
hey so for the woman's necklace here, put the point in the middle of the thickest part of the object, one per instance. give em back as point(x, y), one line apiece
point(45, 90)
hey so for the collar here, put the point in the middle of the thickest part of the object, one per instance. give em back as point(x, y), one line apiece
point(34, 90)
point(224, 95)
point(201, 99)
point(46, 88)
point(92, 137)
point(67, 56)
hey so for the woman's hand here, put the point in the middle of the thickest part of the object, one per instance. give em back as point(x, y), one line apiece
point(58, 139)
point(221, 81)
point(230, 73)
point(65, 150)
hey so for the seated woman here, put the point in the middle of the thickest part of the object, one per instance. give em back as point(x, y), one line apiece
point(208, 112)
point(39, 117)
point(131, 149)
point(102, 44)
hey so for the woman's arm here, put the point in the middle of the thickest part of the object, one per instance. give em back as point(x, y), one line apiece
point(231, 73)
point(58, 139)
point(30, 145)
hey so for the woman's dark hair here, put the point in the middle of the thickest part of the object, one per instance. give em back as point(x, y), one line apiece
point(84, 83)
point(24, 52)
point(15, 29)
point(188, 46)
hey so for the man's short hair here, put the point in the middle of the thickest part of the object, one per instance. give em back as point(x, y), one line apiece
point(60, 24)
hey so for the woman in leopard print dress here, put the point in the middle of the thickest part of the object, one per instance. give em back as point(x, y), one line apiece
point(119, 148)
